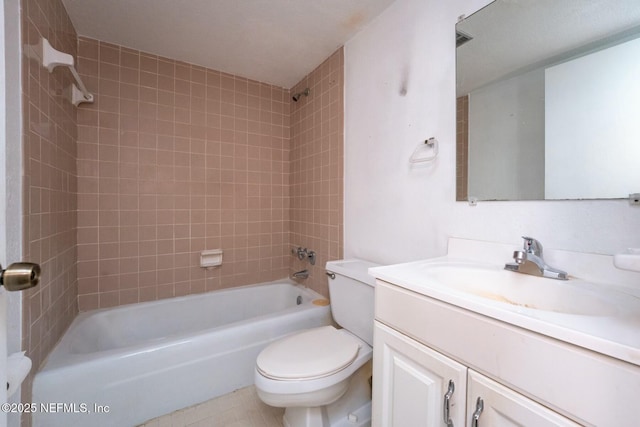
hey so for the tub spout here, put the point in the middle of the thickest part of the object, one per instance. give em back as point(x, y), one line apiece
point(303, 274)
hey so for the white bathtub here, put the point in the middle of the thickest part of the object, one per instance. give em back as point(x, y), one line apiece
point(144, 360)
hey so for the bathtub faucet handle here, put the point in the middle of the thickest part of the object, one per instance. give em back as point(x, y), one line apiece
point(304, 253)
point(301, 252)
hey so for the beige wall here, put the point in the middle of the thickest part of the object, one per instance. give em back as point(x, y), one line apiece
point(317, 123)
point(49, 183)
point(174, 159)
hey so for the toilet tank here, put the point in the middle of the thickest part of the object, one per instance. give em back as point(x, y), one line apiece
point(352, 296)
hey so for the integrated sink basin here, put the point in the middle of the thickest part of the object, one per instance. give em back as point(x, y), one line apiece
point(522, 291)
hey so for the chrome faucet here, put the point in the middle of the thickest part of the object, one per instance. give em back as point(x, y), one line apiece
point(530, 261)
point(303, 253)
point(302, 274)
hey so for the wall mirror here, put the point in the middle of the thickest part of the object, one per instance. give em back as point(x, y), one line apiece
point(548, 100)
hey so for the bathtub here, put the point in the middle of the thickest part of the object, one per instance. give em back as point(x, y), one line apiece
point(125, 365)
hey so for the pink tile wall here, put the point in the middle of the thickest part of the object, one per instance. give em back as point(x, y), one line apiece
point(317, 135)
point(49, 183)
point(173, 159)
point(121, 196)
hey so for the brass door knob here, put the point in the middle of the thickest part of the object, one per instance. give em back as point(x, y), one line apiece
point(19, 276)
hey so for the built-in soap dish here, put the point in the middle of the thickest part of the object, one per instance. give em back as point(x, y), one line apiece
point(211, 258)
point(628, 260)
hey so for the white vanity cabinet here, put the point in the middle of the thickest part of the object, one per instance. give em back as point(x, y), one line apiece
point(414, 385)
point(417, 386)
point(523, 378)
point(491, 404)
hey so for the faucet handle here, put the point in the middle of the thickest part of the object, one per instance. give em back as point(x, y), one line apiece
point(301, 252)
point(532, 246)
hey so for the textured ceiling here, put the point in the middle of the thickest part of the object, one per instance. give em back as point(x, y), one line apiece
point(273, 41)
point(514, 35)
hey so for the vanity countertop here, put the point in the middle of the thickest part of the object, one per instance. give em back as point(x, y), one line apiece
point(598, 308)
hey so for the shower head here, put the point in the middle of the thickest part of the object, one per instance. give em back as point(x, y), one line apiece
point(297, 96)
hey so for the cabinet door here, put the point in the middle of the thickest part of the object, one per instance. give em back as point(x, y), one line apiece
point(410, 382)
point(503, 407)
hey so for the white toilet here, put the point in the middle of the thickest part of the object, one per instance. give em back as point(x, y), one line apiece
point(322, 375)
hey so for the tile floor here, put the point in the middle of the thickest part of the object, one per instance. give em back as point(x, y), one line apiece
point(242, 408)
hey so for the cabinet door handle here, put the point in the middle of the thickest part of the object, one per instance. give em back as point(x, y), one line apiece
point(446, 404)
point(476, 415)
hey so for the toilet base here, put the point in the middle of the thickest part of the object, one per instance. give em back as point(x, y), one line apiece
point(305, 417)
point(351, 410)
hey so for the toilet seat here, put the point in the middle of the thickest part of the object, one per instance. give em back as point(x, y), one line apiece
point(311, 354)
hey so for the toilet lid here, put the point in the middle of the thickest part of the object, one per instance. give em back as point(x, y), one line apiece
point(310, 354)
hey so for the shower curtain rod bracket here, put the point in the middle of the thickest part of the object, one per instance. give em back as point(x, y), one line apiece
point(52, 58)
point(77, 97)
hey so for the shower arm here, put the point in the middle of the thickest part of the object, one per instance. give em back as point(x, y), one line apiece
point(297, 96)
